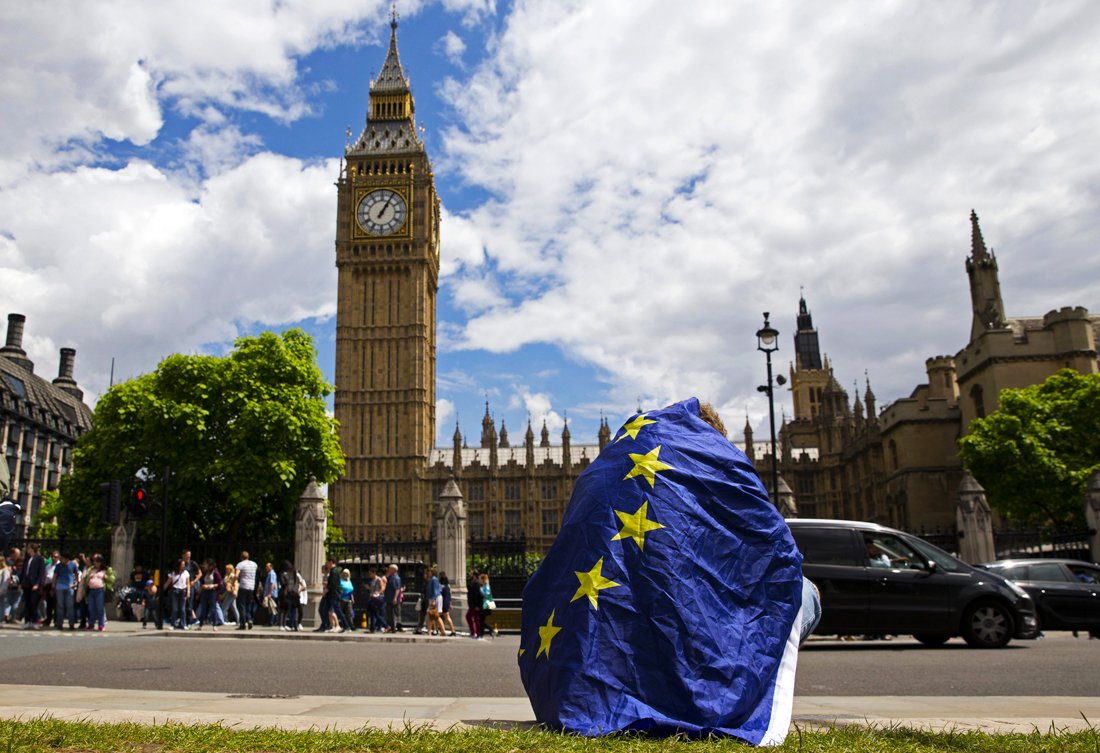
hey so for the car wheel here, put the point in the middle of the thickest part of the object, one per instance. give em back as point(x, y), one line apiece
point(932, 639)
point(988, 624)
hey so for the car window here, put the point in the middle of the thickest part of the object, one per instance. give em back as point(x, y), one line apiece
point(942, 559)
point(1085, 574)
point(886, 550)
point(1012, 572)
point(1049, 571)
point(827, 546)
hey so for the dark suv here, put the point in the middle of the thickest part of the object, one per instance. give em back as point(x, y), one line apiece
point(875, 580)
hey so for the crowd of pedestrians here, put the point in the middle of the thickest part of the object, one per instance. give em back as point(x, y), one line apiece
point(53, 589)
point(57, 590)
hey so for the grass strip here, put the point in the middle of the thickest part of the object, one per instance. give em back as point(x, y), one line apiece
point(79, 737)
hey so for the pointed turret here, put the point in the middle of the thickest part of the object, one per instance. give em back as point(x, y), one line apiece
point(857, 405)
point(566, 455)
point(985, 284)
point(750, 449)
point(529, 447)
point(806, 347)
point(869, 399)
point(456, 453)
point(604, 435)
point(392, 77)
point(390, 125)
point(545, 435)
point(977, 242)
point(488, 431)
point(503, 434)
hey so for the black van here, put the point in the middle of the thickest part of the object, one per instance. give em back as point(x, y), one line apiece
point(876, 580)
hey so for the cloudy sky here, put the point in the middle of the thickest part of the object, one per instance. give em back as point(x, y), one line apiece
point(627, 185)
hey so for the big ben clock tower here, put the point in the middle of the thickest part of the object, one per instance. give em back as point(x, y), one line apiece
point(387, 256)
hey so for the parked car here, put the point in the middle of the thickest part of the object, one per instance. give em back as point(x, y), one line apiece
point(875, 580)
point(1066, 592)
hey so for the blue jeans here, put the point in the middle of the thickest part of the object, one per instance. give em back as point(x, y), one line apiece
point(208, 607)
point(66, 607)
point(811, 609)
point(97, 617)
point(292, 607)
point(179, 608)
point(246, 605)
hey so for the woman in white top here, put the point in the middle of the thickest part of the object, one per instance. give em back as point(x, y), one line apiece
point(179, 587)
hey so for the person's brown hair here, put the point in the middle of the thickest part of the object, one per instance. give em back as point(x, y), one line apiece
point(710, 415)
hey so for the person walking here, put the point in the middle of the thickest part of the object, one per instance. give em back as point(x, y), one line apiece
point(210, 583)
point(96, 593)
point(487, 604)
point(292, 587)
point(427, 598)
point(333, 589)
point(347, 598)
point(64, 584)
point(31, 580)
point(271, 594)
point(394, 594)
point(179, 586)
point(377, 601)
point(229, 601)
point(246, 591)
point(473, 609)
point(445, 599)
point(151, 598)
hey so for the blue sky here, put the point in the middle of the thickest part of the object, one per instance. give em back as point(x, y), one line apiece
point(626, 188)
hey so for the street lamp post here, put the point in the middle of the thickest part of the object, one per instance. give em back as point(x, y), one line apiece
point(767, 340)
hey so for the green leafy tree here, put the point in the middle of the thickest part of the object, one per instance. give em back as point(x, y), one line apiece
point(1036, 453)
point(242, 435)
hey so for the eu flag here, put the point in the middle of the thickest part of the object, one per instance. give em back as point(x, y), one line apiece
point(669, 600)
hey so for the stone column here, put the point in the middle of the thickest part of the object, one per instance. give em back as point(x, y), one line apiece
point(450, 540)
point(310, 528)
point(122, 551)
point(975, 522)
point(122, 560)
point(1092, 514)
point(785, 502)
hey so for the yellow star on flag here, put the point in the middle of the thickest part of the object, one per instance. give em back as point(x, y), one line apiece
point(636, 525)
point(592, 583)
point(546, 634)
point(647, 466)
point(635, 425)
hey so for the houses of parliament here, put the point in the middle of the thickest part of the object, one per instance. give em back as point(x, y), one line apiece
point(841, 457)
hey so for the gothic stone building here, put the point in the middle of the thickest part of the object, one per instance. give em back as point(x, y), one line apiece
point(40, 420)
point(843, 458)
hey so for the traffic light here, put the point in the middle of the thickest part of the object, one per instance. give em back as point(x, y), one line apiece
point(139, 502)
point(112, 501)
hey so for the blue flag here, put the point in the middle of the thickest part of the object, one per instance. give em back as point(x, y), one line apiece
point(669, 600)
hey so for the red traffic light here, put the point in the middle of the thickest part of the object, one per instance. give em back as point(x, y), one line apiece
point(139, 502)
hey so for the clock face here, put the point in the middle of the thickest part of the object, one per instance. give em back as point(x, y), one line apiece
point(382, 212)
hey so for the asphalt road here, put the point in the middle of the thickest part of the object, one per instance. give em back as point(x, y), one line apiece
point(1057, 665)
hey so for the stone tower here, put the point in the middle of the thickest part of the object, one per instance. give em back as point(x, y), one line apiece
point(387, 256)
point(808, 375)
point(985, 285)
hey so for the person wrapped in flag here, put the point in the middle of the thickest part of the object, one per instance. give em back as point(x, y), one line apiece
point(670, 600)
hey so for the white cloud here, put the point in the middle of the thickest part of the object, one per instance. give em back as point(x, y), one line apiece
point(444, 413)
point(661, 186)
point(539, 407)
point(133, 263)
point(472, 11)
point(84, 71)
point(451, 46)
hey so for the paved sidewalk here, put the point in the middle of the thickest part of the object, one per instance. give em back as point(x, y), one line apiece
point(992, 714)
